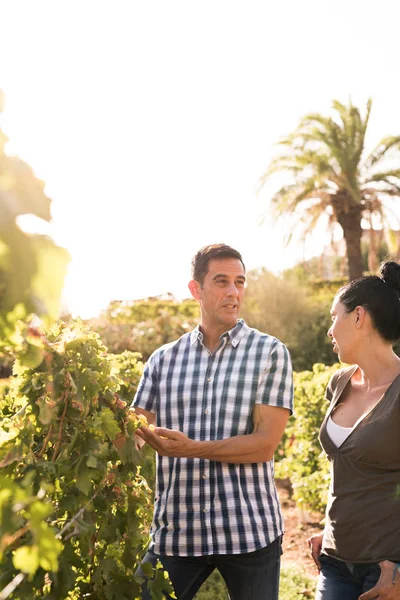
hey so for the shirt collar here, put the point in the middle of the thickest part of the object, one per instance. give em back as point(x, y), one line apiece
point(235, 334)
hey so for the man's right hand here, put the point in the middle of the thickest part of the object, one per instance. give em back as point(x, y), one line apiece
point(315, 545)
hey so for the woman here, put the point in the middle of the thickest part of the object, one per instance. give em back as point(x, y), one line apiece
point(359, 550)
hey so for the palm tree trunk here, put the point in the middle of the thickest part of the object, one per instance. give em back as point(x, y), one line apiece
point(350, 221)
point(373, 260)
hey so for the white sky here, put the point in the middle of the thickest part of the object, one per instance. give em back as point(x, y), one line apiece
point(152, 121)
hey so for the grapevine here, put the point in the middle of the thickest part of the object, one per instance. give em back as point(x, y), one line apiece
point(74, 505)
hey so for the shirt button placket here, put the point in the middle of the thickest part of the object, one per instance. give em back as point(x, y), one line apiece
point(207, 387)
point(207, 396)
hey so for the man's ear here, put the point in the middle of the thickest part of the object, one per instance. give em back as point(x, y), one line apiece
point(194, 288)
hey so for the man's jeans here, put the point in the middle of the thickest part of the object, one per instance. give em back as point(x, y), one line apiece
point(252, 576)
point(339, 580)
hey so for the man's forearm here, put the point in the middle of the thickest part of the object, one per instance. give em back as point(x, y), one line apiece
point(252, 448)
point(255, 447)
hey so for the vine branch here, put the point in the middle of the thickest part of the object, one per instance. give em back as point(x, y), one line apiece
point(5, 592)
point(58, 443)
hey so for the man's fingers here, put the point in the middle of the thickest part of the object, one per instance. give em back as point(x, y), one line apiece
point(147, 435)
point(168, 434)
point(315, 552)
point(315, 557)
point(162, 432)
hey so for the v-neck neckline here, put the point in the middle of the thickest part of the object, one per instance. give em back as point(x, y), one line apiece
point(335, 403)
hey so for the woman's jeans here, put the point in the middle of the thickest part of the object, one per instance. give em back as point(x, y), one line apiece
point(339, 580)
point(251, 576)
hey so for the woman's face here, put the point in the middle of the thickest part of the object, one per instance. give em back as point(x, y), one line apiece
point(342, 331)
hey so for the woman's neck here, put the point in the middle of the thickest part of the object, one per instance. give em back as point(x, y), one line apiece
point(377, 367)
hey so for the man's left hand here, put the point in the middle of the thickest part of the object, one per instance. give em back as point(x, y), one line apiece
point(385, 589)
point(167, 442)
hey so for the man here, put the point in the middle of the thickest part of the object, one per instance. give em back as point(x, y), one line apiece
point(220, 396)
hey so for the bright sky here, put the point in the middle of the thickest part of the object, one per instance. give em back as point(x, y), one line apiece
point(151, 122)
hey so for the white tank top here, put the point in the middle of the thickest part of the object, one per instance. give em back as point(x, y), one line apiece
point(337, 433)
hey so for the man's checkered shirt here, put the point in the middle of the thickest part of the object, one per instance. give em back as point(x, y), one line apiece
point(202, 506)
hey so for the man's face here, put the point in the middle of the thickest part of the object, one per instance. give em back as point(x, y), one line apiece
point(220, 294)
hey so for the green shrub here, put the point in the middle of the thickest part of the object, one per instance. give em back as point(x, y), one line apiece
point(169, 322)
point(137, 311)
point(295, 584)
point(288, 311)
point(213, 589)
point(129, 367)
point(301, 456)
point(75, 508)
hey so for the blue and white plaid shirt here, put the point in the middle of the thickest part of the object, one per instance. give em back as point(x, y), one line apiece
point(203, 506)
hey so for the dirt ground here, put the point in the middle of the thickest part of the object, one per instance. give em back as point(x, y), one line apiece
point(295, 547)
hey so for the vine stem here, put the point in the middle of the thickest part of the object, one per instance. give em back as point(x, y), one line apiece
point(20, 411)
point(18, 579)
point(5, 592)
point(8, 540)
point(58, 444)
point(78, 514)
point(45, 442)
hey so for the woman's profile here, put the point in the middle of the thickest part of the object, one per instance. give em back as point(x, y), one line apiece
point(358, 553)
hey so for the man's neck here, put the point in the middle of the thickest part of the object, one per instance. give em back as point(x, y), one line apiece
point(211, 336)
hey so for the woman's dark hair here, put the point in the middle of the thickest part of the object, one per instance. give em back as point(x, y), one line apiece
point(213, 251)
point(380, 296)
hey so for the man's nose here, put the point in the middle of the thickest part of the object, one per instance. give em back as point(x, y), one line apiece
point(233, 291)
point(330, 332)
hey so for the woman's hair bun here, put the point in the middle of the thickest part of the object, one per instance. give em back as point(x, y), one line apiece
point(390, 273)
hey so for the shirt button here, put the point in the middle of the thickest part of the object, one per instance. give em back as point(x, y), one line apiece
point(204, 510)
point(206, 411)
point(204, 476)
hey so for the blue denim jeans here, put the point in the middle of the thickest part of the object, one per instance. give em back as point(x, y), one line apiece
point(339, 580)
point(251, 576)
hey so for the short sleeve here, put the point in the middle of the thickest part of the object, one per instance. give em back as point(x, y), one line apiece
point(276, 385)
point(329, 390)
point(146, 395)
point(332, 384)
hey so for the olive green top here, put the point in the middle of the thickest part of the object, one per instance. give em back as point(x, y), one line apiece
point(363, 511)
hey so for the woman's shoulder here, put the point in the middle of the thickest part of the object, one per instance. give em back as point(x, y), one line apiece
point(342, 375)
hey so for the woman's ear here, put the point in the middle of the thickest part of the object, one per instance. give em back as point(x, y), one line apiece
point(194, 288)
point(359, 312)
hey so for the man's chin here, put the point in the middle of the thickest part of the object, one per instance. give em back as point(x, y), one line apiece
point(230, 322)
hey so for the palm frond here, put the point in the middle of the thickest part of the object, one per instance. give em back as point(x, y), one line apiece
point(386, 186)
point(385, 175)
point(310, 217)
point(359, 136)
point(290, 196)
point(385, 145)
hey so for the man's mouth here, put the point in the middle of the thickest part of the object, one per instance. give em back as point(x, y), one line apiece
point(229, 306)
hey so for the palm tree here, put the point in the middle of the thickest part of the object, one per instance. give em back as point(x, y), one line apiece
point(331, 176)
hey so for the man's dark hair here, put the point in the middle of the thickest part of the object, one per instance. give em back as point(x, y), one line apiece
point(201, 260)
